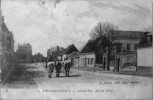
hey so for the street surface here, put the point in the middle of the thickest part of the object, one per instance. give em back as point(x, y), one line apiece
point(31, 81)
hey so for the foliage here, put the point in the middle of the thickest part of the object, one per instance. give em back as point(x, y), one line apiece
point(105, 29)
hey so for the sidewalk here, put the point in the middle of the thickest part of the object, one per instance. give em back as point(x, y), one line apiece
point(19, 77)
point(4, 76)
point(100, 70)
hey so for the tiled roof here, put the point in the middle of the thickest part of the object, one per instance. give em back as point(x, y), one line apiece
point(96, 46)
point(129, 34)
point(74, 54)
point(71, 48)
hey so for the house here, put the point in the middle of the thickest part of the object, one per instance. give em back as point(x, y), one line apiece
point(87, 59)
point(75, 59)
point(70, 49)
point(121, 54)
point(92, 53)
point(145, 54)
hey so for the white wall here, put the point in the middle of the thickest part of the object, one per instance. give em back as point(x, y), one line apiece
point(86, 56)
point(145, 57)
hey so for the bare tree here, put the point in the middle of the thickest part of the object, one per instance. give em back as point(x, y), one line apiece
point(106, 29)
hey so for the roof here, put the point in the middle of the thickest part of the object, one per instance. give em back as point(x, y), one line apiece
point(25, 45)
point(129, 34)
point(71, 48)
point(74, 54)
point(96, 46)
point(146, 40)
point(87, 53)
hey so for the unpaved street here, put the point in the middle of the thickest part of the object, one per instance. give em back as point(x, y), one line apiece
point(31, 82)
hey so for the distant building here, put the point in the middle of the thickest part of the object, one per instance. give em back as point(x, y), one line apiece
point(38, 58)
point(145, 54)
point(75, 59)
point(24, 53)
point(70, 49)
point(55, 53)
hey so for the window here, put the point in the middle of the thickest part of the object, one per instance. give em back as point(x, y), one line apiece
point(128, 47)
point(92, 61)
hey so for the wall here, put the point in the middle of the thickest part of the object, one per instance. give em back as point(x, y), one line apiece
point(87, 60)
point(125, 42)
point(144, 57)
point(74, 61)
point(128, 59)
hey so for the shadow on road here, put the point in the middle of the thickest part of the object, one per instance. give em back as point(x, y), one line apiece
point(69, 76)
point(22, 77)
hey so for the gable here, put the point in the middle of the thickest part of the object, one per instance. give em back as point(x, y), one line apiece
point(70, 49)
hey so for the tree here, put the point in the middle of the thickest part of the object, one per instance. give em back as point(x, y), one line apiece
point(105, 29)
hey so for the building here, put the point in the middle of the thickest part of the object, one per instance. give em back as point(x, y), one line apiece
point(7, 54)
point(121, 54)
point(145, 54)
point(93, 52)
point(70, 49)
point(87, 59)
point(75, 59)
point(55, 53)
point(38, 57)
point(24, 53)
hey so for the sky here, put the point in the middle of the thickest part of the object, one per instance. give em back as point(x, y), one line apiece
point(46, 23)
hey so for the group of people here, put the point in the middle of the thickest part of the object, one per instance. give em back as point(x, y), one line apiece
point(57, 65)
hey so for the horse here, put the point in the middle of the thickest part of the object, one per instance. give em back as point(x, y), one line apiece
point(50, 68)
point(58, 66)
point(67, 66)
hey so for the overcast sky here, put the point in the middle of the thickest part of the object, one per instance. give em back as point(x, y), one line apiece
point(63, 22)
